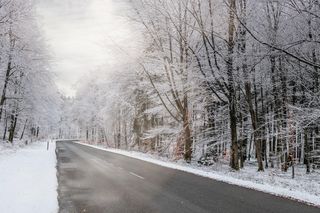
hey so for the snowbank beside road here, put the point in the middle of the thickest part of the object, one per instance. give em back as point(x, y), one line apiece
point(28, 181)
point(304, 188)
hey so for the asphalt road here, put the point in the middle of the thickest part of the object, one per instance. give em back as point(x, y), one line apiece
point(92, 180)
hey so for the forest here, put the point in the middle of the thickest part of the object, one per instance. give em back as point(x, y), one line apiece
point(139, 105)
point(230, 81)
point(217, 80)
point(29, 99)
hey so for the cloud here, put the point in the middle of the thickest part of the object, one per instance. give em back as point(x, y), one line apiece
point(82, 35)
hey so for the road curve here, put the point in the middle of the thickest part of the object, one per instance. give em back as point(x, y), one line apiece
point(95, 181)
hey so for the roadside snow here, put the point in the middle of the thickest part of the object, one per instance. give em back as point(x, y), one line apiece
point(28, 180)
point(304, 188)
point(7, 148)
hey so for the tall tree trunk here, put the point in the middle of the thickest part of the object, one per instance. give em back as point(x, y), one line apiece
point(5, 128)
point(248, 89)
point(187, 132)
point(87, 134)
point(8, 71)
point(24, 128)
point(125, 134)
point(234, 161)
point(38, 131)
point(234, 155)
point(119, 130)
point(4, 90)
point(14, 118)
point(307, 151)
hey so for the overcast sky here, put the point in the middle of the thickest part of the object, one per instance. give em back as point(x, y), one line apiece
point(83, 35)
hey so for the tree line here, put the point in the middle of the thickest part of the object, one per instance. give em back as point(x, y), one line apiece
point(217, 80)
point(29, 100)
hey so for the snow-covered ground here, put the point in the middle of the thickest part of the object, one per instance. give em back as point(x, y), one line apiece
point(7, 148)
point(304, 188)
point(28, 181)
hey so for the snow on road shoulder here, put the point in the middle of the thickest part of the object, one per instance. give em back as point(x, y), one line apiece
point(302, 189)
point(28, 181)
